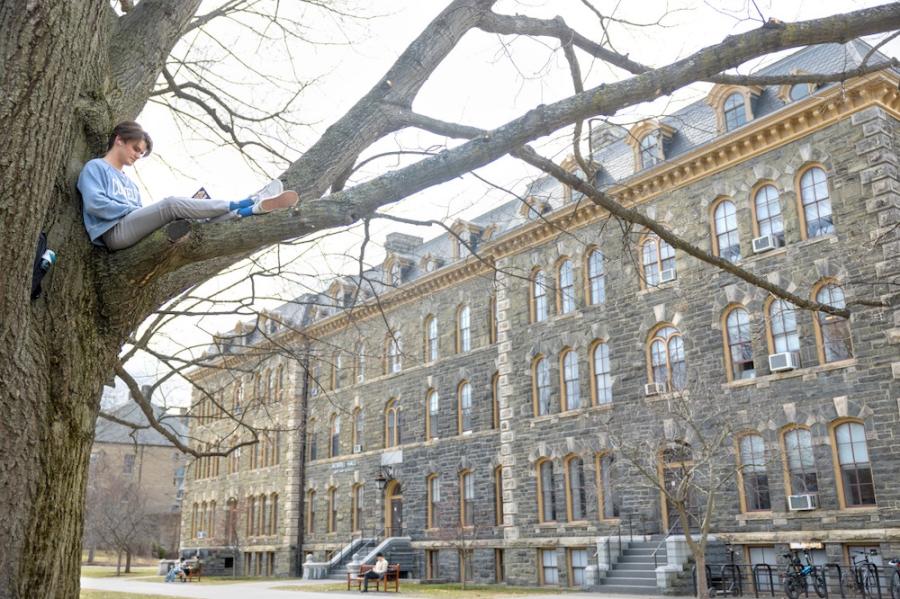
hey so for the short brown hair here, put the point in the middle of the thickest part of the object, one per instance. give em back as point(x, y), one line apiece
point(129, 131)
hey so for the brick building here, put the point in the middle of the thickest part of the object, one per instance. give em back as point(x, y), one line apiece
point(466, 411)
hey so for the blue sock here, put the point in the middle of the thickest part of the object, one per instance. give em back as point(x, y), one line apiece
point(245, 210)
point(240, 204)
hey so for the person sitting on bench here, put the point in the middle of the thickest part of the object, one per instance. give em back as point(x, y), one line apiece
point(377, 572)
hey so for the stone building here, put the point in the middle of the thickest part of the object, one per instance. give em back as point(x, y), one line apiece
point(470, 411)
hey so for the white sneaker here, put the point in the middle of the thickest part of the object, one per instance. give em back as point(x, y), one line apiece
point(286, 199)
point(269, 190)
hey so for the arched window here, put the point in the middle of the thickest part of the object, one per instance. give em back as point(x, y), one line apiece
point(463, 331)
point(576, 497)
point(753, 476)
point(356, 509)
point(312, 449)
point(332, 510)
point(392, 424)
point(783, 328)
point(498, 496)
point(728, 244)
point(816, 203)
point(431, 338)
point(396, 273)
point(735, 114)
point(539, 307)
point(492, 318)
point(495, 400)
point(231, 521)
point(799, 91)
point(433, 403)
point(608, 500)
point(251, 516)
point(315, 375)
point(262, 525)
point(464, 406)
point(565, 288)
point(738, 350)
point(667, 364)
point(360, 362)
point(357, 430)
point(334, 447)
point(433, 501)
point(851, 454)
point(545, 495)
point(237, 401)
point(466, 498)
point(571, 392)
point(801, 463)
point(658, 261)
point(540, 384)
point(601, 379)
point(832, 332)
point(393, 353)
point(767, 209)
point(596, 275)
point(310, 511)
point(649, 149)
point(273, 517)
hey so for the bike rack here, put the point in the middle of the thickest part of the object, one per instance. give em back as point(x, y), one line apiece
point(768, 570)
point(735, 570)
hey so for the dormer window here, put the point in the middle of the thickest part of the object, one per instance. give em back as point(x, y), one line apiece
point(533, 208)
point(733, 105)
point(791, 93)
point(429, 263)
point(465, 238)
point(393, 271)
point(649, 140)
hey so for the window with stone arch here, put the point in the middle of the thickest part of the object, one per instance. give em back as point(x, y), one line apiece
point(540, 385)
point(781, 321)
point(800, 461)
point(666, 361)
point(465, 412)
point(753, 477)
point(433, 410)
point(356, 508)
point(832, 332)
point(734, 112)
point(463, 329)
point(357, 431)
point(649, 150)
point(312, 449)
point(576, 494)
point(432, 500)
point(360, 362)
point(466, 498)
point(332, 510)
point(431, 338)
point(392, 423)
point(726, 240)
point(334, 436)
point(767, 213)
point(657, 261)
point(570, 387)
point(596, 277)
point(538, 296)
point(545, 495)
point(311, 511)
point(565, 287)
point(853, 469)
point(273, 517)
point(492, 318)
point(601, 375)
point(393, 350)
point(495, 400)
point(737, 343)
point(498, 495)
point(815, 202)
point(607, 498)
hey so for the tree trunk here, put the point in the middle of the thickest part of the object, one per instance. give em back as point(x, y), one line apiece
point(128, 561)
point(118, 562)
point(91, 551)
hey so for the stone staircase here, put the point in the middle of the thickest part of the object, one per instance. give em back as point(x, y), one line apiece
point(397, 550)
point(634, 572)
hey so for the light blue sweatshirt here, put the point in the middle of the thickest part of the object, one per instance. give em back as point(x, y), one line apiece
point(108, 195)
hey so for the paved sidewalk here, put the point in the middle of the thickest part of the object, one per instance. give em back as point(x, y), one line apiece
point(265, 590)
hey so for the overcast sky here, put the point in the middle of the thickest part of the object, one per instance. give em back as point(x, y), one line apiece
point(484, 83)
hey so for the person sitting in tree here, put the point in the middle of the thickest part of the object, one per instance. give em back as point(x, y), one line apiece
point(113, 214)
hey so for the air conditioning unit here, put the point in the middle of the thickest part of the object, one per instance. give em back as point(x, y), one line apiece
point(654, 389)
point(764, 244)
point(357, 449)
point(783, 361)
point(800, 503)
point(667, 275)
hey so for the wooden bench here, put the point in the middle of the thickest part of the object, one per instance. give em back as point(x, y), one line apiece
point(191, 572)
point(392, 575)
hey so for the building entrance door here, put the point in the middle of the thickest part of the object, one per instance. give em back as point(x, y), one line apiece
point(393, 503)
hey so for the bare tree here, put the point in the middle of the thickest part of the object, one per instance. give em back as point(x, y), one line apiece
point(82, 66)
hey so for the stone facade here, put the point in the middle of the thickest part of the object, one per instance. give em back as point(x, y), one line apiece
point(849, 137)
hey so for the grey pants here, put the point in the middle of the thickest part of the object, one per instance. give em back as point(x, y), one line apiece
point(143, 221)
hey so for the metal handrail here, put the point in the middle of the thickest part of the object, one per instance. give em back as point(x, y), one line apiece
point(661, 543)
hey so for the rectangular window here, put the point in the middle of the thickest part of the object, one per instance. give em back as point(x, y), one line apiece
point(578, 561)
point(465, 564)
point(468, 504)
point(549, 568)
point(128, 464)
point(432, 564)
point(499, 567)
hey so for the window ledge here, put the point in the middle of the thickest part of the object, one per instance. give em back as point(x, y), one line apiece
point(779, 251)
point(830, 238)
point(658, 287)
point(809, 514)
point(570, 413)
point(809, 370)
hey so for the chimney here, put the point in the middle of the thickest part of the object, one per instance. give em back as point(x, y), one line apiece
point(401, 243)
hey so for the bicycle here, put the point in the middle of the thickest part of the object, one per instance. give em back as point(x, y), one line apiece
point(795, 577)
point(895, 579)
point(865, 574)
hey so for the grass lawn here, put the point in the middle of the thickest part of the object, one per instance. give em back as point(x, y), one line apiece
point(444, 591)
point(110, 571)
point(86, 594)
